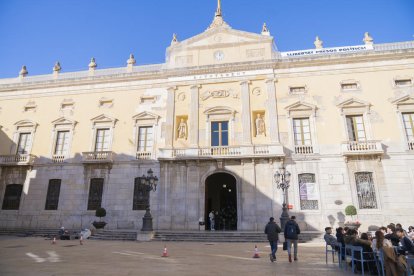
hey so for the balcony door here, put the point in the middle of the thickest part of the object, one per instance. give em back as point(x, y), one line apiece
point(220, 134)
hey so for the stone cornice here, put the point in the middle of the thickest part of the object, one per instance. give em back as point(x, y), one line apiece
point(277, 63)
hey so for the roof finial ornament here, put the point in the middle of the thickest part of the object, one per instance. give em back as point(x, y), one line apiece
point(368, 39)
point(318, 43)
point(92, 64)
point(265, 30)
point(131, 60)
point(23, 72)
point(218, 18)
point(174, 39)
point(57, 67)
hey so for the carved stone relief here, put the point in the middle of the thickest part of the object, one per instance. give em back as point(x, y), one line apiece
point(181, 97)
point(256, 91)
point(215, 94)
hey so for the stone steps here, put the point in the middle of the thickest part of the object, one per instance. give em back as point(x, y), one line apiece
point(41, 232)
point(119, 235)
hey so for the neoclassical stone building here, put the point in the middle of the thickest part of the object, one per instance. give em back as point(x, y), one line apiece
point(214, 123)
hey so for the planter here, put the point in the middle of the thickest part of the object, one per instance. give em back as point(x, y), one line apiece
point(99, 224)
point(352, 225)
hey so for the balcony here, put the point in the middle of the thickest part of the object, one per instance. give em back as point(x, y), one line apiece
point(17, 160)
point(355, 148)
point(144, 155)
point(58, 158)
point(303, 149)
point(97, 157)
point(223, 152)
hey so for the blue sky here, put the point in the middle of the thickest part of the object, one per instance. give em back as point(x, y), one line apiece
point(37, 33)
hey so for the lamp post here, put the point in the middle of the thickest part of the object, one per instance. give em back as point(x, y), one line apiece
point(150, 182)
point(282, 179)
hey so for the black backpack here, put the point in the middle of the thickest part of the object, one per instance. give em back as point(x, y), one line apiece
point(290, 230)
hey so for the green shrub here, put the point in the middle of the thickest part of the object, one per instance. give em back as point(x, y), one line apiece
point(350, 210)
point(100, 212)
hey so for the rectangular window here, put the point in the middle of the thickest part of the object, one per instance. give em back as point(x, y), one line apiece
point(308, 192)
point(297, 90)
point(95, 193)
point(365, 190)
point(403, 82)
point(141, 195)
point(62, 143)
point(219, 134)
point(12, 196)
point(53, 191)
point(349, 86)
point(408, 119)
point(356, 128)
point(302, 134)
point(145, 139)
point(102, 139)
point(24, 144)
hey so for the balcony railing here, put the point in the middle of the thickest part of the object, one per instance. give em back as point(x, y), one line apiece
point(362, 148)
point(58, 158)
point(410, 145)
point(17, 159)
point(224, 152)
point(144, 155)
point(97, 157)
point(303, 149)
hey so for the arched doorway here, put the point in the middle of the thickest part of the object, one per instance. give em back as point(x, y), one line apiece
point(221, 196)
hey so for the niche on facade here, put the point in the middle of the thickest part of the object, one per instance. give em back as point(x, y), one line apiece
point(67, 106)
point(350, 86)
point(259, 129)
point(30, 107)
point(181, 132)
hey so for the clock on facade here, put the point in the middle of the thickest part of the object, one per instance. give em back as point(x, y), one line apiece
point(219, 55)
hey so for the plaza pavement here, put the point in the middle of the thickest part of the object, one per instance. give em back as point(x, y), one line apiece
point(37, 256)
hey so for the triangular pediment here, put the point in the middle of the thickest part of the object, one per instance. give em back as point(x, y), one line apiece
point(404, 103)
point(354, 105)
point(104, 119)
point(64, 121)
point(300, 108)
point(146, 117)
point(220, 37)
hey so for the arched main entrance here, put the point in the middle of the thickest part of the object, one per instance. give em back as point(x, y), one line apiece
point(221, 196)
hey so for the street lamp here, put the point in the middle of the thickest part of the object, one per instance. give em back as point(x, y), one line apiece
point(282, 179)
point(150, 182)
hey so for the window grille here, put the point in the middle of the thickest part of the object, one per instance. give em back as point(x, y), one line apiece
point(141, 195)
point(308, 192)
point(12, 196)
point(95, 193)
point(53, 192)
point(365, 190)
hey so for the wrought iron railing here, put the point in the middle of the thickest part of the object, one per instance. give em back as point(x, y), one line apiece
point(410, 145)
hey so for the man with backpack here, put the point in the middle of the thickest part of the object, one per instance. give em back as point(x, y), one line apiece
point(291, 233)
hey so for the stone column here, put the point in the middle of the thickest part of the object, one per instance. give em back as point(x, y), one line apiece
point(246, 122)
point(194, 116)
point(272, 113)
point(169, 128)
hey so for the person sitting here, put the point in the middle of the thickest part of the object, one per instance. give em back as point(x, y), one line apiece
point(380, 241)
point(365, 243)
point(411, 232)
point(391, 262)
point(391, 235)
point(407, 246)
point(63, 234)
point(331, 240)
point(340, 236)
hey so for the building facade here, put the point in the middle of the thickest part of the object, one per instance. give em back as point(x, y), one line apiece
point(214, 123)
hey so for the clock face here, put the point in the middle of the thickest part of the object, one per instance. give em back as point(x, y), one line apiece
point(219, 55)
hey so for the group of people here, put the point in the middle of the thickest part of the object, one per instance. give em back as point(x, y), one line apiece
point(393, 240)
point(291, 232)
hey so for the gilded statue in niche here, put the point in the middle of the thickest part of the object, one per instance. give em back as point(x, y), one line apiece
point(182, 129)
point(260, 125)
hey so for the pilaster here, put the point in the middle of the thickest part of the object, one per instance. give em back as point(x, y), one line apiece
point(169, 128)
point(272, 110)
point(194, 115)
point(246, 122)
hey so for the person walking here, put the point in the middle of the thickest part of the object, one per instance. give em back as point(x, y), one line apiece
point(272, 231)
point(211, 217)
point(291, 233)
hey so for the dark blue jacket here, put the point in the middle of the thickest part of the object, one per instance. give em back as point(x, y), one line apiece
point(294, 235)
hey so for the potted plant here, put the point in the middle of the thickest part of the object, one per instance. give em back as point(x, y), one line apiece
point(100, 213)
point(350, 210)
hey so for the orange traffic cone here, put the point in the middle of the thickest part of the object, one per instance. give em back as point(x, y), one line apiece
point(81, 240)
point(256, 252)
point(54, 240)
point(165, 253)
